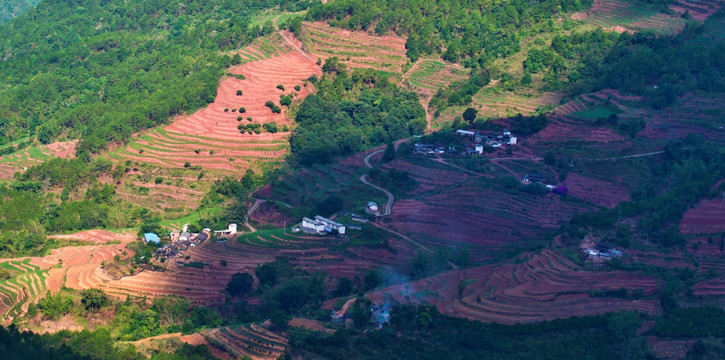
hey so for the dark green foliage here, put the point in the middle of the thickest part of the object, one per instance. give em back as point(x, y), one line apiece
point(528, 125)
point(93, 299)
point(239, 92)
point(280, 87)
point(701, 321)
point(395, 180)
point(371, 280)
point(331, 124)
point(248, 179)
point(64, 345)
point(329, 206)
point(270, 127)
point(240, 284)
point(389, 154)
point(186, 352)
point(470, 115)
point(285, 100)
point(344, 287)
point(550, 158)
point(158, 180)
point(423, 333)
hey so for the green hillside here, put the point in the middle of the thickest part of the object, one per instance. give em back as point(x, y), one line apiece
point(10, 9)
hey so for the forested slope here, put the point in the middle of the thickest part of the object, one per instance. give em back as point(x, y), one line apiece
point(102, 70)
point(10, 9)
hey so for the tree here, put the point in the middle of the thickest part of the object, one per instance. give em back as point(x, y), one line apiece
point(240, 284)
point(267, 274)
point(248, 179)
point(344, 287)
point(371, 280)
point(93, 299)
point(389, 154)
point(549, 158)
point(470, 115)
point(279, 319)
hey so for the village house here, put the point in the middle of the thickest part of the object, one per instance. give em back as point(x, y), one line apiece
point(322, 225)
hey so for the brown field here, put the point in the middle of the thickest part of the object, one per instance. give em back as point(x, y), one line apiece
point(213, 131)
point(356, 49)
point(253, 340)
point(707, 217)
point(596, 191)
point(545, 286)
point(670, 349)
point(698, 9)
point(695, 114)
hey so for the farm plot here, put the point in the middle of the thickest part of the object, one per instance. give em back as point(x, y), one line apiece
point(200, 285)
point(698, 9)
point(633, 16)
point(34, 155)
point(253, 340)
point(543, 286)
point(707, 217)
point(429, 75)
point(486, 220)
point(598, 192)
point(210, 137)
point(356, 49)
point(26, 286)
point(696, 114)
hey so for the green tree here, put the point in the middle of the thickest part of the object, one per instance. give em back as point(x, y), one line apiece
point(93, 299)
point(389, 154)
point(470, 115)
point(550, 158)
point(240, 284)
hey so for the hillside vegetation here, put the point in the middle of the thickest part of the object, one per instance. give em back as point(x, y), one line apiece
point(10, 9)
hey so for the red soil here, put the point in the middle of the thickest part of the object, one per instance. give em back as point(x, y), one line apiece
point(707, 217)
point(267, 213)
point(713, 287)
point(698, 9)
point(544, 287)
point(598, 192)
point(670, 349)
point(66, 149)
point(696, 114)
point(95, 236)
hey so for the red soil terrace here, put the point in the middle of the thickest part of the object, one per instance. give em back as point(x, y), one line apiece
point(707, 217)
point(544, 287)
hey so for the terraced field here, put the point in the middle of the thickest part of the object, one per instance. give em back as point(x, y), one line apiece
point(210, 137)
point(34, 155)
point(26, 286)
point(698, 9)
point(696, 113)
point(493, 104)
point(251, 340)
point(429, 75)
point(633, 16)
point(354, 48)
point(540, 287)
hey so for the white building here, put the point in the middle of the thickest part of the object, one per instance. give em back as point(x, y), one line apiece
point(372, 206)
point(321, 224)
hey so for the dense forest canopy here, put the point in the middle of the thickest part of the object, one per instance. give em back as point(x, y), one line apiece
point(469, 31)
point(10, 9)
point(102, 70)
point(351, 113)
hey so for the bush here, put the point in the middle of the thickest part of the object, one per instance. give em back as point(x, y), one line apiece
point(285, 101)
point(239, 92)
point(159, 180)
point(297, 88)
point(281, 87)
point(234, 109)
point(226, 109)
point(242, 110)
point(187, 164)
point(239, 118)
point(197, 150)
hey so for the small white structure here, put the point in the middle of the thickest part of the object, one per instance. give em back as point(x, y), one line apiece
point(465, 133)
point(373, 206)
point(321, 224)
point(479, 149)
point(512, 140)
point(232, 229)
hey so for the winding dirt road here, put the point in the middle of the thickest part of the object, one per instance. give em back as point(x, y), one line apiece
point(364, 179)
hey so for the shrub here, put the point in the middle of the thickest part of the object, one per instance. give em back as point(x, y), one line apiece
point(257, 131)
point(239, 92)
point(281, 87)
point(276, 109)
point(197, 150)
point(297, 88)
point(285, 101)
point(187, 164)
point(249, 119)
point(211, 152)
point(159, 180)
point(234, 109)
point(242, 110)
point(269, 104)
point(239, 118)
point(226, 109)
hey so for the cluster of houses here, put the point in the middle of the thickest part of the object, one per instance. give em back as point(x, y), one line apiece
point(475, 145)
point(181, 240)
